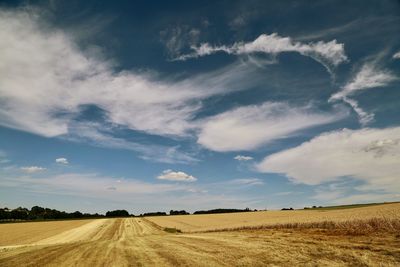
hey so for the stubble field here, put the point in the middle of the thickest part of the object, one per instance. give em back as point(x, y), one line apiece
point(242, 239)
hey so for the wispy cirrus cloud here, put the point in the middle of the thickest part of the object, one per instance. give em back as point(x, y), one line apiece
point(247, 181)
point(371, 156)
point(178, 38)
point(129, 98)
point(249, 127)
point(58, 89)
point(369, 76)
point(327, 53)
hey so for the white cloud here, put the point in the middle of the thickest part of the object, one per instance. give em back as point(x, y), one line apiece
point(370, 76)
point(59, 88)
point(371, 156)
point(396, 55)
point(62, 161)
point(247, 181)
point(243, 158)
point(32, 169)
point(363, 116)
point(176, 176)
point(249, 127)
point(327, 53)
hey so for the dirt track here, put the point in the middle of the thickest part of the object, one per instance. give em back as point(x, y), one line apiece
point(137, 242)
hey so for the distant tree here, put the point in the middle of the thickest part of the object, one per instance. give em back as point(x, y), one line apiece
point(36, 212)
point(155, 214)
point(77, 214)
point(178, 212)
point(117, 213)
point(4, 214)
point(19, 213)
point(221, 211)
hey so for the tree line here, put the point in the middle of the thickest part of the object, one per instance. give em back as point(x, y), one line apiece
point(40, 213)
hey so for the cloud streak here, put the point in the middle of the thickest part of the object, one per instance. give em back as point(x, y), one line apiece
point(58, 89)
point(249, 127)
point(330, 54)
point(247, 181)
point(32, 169)
point(54, 92)
point(370, 76)
point(243, 158)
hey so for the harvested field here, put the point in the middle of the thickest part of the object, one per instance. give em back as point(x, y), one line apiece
point(29, 232)
point(140, 242)
point(210, 222)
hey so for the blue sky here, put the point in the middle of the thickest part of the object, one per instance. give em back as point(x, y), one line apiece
point(152, 106)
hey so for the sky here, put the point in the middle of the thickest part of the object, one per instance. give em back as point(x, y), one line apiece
point(160, 105)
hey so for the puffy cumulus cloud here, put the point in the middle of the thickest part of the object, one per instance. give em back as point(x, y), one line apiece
point(327, 53)
point(176, 176)
point(62, 161)
point(52, 92)
point(32, 169)
point(369, 76)
point(249, 127)
point(371, 156)
point(396, 55)
point(243, 158)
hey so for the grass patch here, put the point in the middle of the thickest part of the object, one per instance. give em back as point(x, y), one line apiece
point(172, 230)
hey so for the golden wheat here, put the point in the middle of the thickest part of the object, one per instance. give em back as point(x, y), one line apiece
point(210, 222)
point(294, 241)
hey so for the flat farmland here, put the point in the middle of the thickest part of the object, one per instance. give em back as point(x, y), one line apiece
point(144, 242)
point(207, 222)
point(29, 232)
